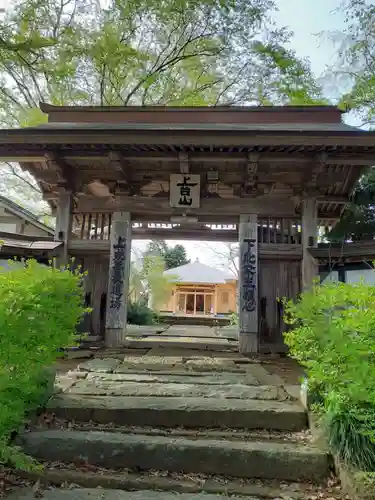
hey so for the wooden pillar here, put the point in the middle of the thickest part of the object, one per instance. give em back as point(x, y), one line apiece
point(118, 279)
point(248, 285)
point(310, 269)
point(63, 228)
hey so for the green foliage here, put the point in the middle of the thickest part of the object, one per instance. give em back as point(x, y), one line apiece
point(39, 310)
point(358, 220)
point(136, 284)
point(351, 434)
point(333, 337)
point(173, 256)
point(356, 64)
point(191, 53)
point(159, 285)
point(234, 319)
point(364, 485)
point(140, 314)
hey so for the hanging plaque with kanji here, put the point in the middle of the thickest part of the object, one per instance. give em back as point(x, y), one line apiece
point(185, 191)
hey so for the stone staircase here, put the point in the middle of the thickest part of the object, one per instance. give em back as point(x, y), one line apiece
point(176, 423)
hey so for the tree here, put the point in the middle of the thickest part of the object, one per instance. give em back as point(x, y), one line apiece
point(227, 255)
point(358, 220)
point(158, 285)
point(173, 256)
point(354, 69)
point(175, 52)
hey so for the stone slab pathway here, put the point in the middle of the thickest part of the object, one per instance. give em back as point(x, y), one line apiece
point(178, 402)
point(190, 331)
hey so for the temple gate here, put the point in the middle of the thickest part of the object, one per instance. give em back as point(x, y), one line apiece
point(266, 177)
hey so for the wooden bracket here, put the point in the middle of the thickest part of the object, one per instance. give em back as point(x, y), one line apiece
point(65, 172)
point(120, 162)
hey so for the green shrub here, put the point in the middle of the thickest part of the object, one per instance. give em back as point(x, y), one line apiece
point(234, 319)
point(140, 314)
point(39, 310)
point(333, 337)
point(350, 431)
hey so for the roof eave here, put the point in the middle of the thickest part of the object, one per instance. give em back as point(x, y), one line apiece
point(223, 137)
point(47, 108)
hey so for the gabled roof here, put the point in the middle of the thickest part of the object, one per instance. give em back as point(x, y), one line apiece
point(196, 272)
point(25, 214)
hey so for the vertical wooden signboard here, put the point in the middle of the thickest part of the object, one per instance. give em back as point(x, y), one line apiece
point(248, 285)
point(118, 279)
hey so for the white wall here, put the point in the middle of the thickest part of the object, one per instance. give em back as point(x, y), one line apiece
point(8, 227)
point(30, 230)
point(333, 276)
point(367, 275)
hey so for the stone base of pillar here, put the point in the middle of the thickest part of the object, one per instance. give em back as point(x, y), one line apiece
point(248, 344)
point(114, 337)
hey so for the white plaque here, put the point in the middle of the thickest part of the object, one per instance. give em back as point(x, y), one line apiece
point(184, 191)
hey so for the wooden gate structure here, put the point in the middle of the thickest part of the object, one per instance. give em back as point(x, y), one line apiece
point(267, 177)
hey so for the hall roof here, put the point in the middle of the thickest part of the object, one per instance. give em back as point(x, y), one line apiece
point(198, 273)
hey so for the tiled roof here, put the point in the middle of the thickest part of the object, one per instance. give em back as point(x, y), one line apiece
point(196, 272)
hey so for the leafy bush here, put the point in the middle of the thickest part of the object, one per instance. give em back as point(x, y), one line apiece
point(234, 319)
point(39, 310)
point(333, 337)
point(350, 431)
point(140, 314)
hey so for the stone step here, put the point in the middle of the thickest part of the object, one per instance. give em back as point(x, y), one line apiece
point(211, 344)
point(264, 460)
point(103, 494)
point(181, 412)
point(97, 387)
point(215, 434)
point(177, 483)
point(197, 378)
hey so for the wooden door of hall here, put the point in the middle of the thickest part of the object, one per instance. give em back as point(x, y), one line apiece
point(277, 279)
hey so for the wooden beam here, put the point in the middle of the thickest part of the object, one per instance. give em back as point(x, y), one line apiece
point(118, 279)
point(309, 240)
point(248, 285)
point(337, 200)
point(194, 157)
point(118, 161)
point(357, 250)
point(263, 205)
point(64, 218)
point(266, 251)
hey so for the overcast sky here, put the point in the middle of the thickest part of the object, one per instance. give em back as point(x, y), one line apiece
point(306, 18)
